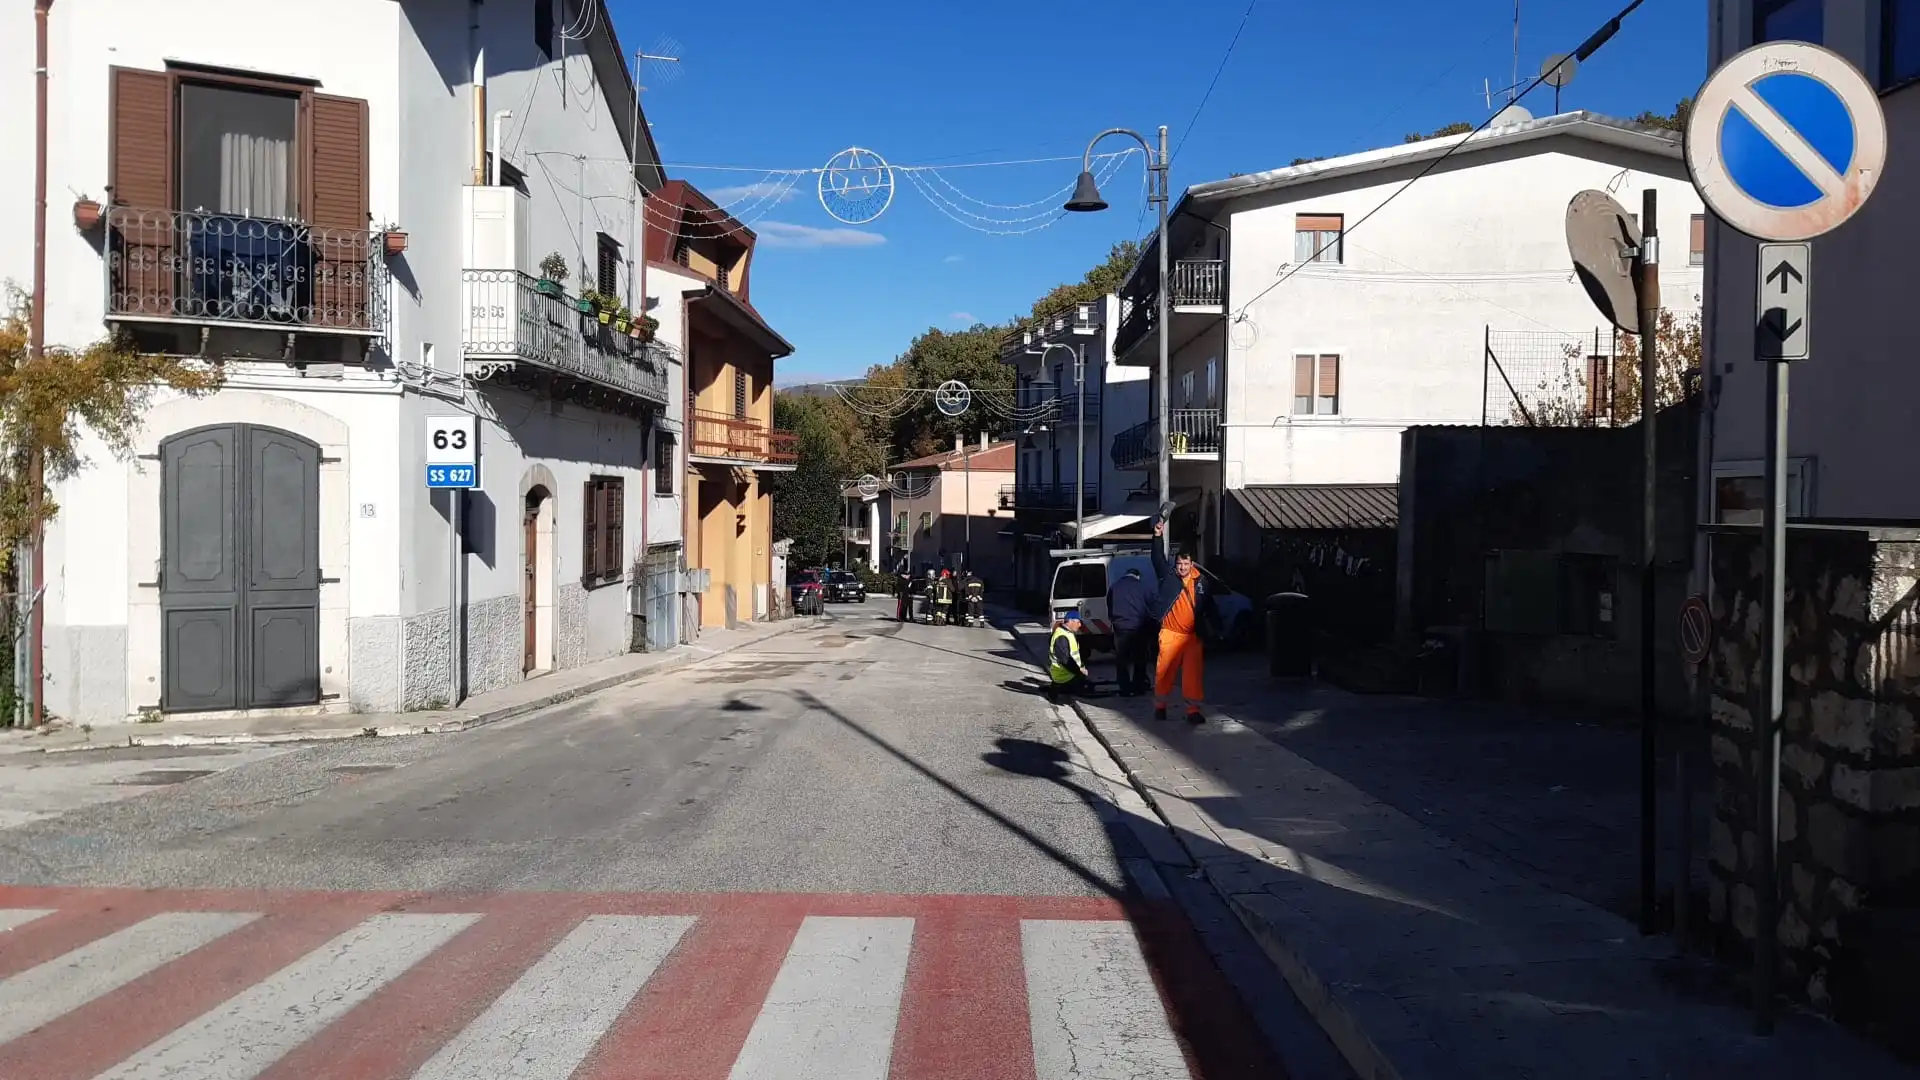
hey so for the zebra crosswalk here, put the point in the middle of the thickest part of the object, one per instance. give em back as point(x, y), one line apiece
point(161, 985)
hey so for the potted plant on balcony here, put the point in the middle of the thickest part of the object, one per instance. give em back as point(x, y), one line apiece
point(553, 276)
point(395, 240)
point(86, 213)
point(645, 327)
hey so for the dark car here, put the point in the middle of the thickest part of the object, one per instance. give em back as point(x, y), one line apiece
point(844, 587)
point(808, 593)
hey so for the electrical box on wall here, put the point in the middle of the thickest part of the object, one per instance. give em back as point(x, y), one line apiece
point(499, 229)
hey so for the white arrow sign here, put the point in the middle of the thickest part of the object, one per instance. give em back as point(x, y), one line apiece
point(1783, 305)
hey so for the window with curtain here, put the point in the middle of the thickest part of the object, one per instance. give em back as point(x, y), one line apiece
point(238, 152)
point(1789, 20)
point(1317, 238)
point(1899, 42)
point(1213, 382)
point(1186, 390)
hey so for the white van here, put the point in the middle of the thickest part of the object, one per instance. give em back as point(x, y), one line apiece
point(1082, 578)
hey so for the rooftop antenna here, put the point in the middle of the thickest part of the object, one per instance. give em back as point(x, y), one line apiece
point(1513, 87)
point(1557, 71)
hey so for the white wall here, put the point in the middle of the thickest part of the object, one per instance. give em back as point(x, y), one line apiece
point(1856, 404)
point(1124, 402)
point(1465, 248)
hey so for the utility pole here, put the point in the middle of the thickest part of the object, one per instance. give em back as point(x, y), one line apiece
point(1080, 446)
point(1647, 288)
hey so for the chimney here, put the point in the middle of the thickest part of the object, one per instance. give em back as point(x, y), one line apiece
point(983, 442)
point(959, 444)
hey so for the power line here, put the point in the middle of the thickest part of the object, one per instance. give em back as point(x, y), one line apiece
point(1587, 49)
point(1217, 72)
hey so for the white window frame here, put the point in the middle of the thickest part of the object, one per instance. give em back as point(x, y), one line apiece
point(1339, 399)
point(1800, 471)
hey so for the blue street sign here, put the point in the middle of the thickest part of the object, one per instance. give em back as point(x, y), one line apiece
point(1786, 141)
point(452, 476)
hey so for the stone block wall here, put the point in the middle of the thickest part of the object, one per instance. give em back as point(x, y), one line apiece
point(1850, 761)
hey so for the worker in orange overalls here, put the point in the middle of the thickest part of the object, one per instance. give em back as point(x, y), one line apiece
point(1183, 604)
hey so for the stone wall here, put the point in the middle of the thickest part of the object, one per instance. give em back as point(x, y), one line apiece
point(1849, 862)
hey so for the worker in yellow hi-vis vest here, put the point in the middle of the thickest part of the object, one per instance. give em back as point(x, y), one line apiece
point(1066, 672)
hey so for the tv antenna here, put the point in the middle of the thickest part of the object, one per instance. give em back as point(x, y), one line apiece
point(1557, 71)
point(664, 52)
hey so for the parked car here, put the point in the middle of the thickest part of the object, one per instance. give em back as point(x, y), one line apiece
point(808, 593)
point(844, 587)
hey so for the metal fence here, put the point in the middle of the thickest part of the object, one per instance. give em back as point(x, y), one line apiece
point(1546, 378)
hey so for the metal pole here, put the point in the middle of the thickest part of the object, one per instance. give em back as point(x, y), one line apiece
point(1767, 761)
point(36, 346)
point(455, 557)
point(1080, 447)
point(1648, 286)
point(966, 550)
point(1166, 283)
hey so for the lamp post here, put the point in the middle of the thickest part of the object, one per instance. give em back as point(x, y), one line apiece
point(1079, 433)
point(1086, 199)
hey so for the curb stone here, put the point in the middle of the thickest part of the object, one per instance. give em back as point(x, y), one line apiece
point(451, 725)
point(1265, 917)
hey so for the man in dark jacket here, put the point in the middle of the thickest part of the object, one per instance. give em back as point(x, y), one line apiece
point(1129, 608)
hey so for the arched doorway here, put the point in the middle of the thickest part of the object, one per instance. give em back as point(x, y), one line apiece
point(240, 569)
point(537, 577)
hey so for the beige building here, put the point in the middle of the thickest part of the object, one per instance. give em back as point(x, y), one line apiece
point(947, 505)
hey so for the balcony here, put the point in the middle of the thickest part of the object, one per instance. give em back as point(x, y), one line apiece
point(1198, 297)
point(512, 325)
point(171, 266)
point(1084, 320)
point(724, 438)
point(1046, 496)
point(1196, 437)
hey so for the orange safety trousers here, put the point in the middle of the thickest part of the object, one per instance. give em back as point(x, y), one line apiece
point(1180, 655)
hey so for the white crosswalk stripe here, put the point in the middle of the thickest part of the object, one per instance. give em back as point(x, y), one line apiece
point(12, 917)
point(1092, 1005)
point(832, 1010)
point(51, 990)
point(240, 1039)
point(553, 1015)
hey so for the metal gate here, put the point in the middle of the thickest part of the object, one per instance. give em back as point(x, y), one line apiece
point(660, 596)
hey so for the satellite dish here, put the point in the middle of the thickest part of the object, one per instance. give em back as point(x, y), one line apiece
point(1558, 70)
point(1509, 116)
point(1601, 237)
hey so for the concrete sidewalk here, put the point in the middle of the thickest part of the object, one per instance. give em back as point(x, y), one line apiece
point(1421, 957)
point(477, 711)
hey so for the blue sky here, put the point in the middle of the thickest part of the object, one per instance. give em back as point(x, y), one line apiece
point(767, 86)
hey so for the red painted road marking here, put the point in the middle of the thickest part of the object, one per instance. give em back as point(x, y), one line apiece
point(963, 1011)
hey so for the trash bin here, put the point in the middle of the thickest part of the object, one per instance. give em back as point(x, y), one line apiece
point(1289, 636)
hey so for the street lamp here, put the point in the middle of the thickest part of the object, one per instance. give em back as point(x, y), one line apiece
point(1079, 419)
point(1086, 199)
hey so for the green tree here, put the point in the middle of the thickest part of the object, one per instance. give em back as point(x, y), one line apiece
point(1456, 128)
point(1305, 160)
point(1673, 121)
point(807, 502)
point(1098, 282)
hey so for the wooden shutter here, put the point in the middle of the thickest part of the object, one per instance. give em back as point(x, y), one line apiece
point(141, 256)
point(336, 206)
point(1330, 376)
point(1599, 387)
point(1302, 376)
point(613, 527)
point(1696, 237)
point(1318, 222)
point(589, 532)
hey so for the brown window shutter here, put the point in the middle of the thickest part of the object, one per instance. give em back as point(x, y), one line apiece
point(336, 206)
point(1697, 234)
point(615, 529)
point(1303, 376)
point(140, 177)
point(589, 535)
point(1599, 393)
point(1319, 222)
point(1329, 376)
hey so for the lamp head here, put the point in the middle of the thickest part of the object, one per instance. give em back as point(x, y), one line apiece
point(1086, 196)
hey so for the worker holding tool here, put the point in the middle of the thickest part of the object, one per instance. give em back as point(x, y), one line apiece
point(1067, 674)
point(1183, 604)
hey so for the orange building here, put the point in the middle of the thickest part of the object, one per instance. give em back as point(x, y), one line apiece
point(731, 443)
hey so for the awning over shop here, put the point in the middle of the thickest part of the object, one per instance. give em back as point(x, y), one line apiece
point(1321, 506)
point(1109, 526)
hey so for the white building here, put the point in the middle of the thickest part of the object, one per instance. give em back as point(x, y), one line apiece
point(273, 545)
point(1853, 414)
point(1303, 345)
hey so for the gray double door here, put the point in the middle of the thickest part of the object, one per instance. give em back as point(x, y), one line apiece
point(240, 569)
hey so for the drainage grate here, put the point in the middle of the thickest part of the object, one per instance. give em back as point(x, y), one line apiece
point(163, 777)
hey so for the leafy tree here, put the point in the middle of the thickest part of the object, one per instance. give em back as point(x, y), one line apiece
point(1673, 121)
point(1305, 160)
point(807, 501)
point(1456, 128)
point(104, 387)
point(1098, 282)
point(1566, 400)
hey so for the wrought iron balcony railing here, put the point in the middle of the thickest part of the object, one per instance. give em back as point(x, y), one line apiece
point(1196, 283)
point(510, 321)
point(228, 269)
point(1195, 432)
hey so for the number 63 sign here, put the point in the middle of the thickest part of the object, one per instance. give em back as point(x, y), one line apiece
point(453, 440)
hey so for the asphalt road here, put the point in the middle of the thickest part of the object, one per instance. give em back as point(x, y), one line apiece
point(894, 798)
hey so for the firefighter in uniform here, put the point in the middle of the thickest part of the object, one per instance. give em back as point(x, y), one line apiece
point(974, 593)
point(943, 598)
